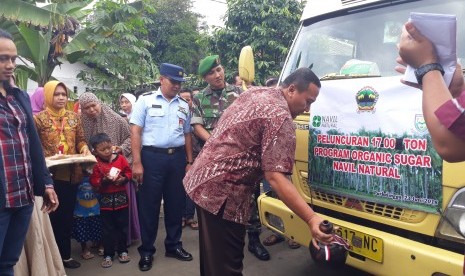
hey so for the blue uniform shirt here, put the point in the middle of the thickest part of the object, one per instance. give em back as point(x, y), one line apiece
point(164, 122)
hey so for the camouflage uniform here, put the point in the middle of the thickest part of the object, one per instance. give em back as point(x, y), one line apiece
point(208, 107)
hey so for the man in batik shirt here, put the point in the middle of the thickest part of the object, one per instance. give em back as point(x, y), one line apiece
point(209, 105)
point(255, 138)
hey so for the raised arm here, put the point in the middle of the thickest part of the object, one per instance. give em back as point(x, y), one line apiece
point(417, 51)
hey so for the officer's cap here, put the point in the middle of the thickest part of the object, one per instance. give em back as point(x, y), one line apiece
point(207, 64)
point(172, 71)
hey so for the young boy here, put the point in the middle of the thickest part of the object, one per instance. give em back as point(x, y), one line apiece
point(109, 176)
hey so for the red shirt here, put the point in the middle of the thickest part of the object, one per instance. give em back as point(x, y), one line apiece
point(103, 168)
point(16, 162)
point(255, 134)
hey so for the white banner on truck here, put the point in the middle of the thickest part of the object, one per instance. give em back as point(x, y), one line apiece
point(368, 140)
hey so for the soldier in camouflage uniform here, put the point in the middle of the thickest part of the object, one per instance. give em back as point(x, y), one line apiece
point(211, 102)
point(208, 106)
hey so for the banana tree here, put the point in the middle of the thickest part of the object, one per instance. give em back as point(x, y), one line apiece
point(42, 33)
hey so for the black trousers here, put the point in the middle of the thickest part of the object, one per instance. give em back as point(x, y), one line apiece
point(221, 245)
point(115, 231)
point(62, 218)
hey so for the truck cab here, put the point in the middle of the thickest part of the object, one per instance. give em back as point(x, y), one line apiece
point(364, 159)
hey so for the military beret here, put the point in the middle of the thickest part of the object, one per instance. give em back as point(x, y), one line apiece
point(207, 64)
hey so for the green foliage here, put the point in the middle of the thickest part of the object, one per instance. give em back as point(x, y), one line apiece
point(118, 58)
point(174, 34)
point(268, 26)
point(40, 33)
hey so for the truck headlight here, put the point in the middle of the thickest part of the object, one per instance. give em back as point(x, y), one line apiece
point(452, 224)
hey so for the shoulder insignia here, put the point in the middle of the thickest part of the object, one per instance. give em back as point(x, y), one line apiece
point(182, 110)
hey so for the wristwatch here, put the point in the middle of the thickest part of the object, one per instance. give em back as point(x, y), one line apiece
point(421, 71)
point(190, 163)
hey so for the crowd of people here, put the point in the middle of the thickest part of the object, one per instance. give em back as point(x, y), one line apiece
point(187, 151)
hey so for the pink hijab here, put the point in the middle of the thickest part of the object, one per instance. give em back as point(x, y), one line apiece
point(37, 100)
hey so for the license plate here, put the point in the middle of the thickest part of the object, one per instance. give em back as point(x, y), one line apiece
point(362, 244)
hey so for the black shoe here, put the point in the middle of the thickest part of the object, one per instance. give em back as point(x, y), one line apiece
point(145, 263)
point(71, 263)
point(180, 254)
point(259, 251)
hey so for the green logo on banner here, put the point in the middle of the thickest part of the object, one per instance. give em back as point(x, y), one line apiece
point(420, 123)
point(316, 122)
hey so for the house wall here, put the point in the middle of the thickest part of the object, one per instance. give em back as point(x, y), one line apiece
point(65, 73)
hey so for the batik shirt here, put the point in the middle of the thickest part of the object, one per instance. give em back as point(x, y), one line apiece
point(51, 132)
point(256, 134)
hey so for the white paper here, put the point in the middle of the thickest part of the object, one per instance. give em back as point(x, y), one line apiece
point(441, 30)
point(114, 172)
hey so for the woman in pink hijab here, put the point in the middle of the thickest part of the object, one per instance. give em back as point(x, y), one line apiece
point(37, 100)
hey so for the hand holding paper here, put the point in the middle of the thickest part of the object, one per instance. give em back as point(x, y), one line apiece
point(416, 51)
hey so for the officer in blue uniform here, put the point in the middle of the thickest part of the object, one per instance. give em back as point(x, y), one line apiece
point(162, 151)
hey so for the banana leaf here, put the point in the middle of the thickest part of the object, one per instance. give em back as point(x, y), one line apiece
point(35, 46)
point(19, 11)
point(74, 9)
point(76, 48)
point(23, 73)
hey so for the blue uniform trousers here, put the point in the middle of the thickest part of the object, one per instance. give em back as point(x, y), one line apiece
point(14, 223)
point(163, 174)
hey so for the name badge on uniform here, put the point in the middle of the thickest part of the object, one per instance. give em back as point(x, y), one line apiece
point(156, 106)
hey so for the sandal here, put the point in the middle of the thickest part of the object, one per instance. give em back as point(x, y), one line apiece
point(292, 244)
point(194, 225)
point(124, 258)
point(71, 263)
point(273, 239)
point(87, 255)
point(107, 262)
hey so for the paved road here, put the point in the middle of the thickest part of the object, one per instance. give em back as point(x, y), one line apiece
point(284, 261)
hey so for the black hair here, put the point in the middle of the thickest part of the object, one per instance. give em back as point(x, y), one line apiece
point(301, 77)
point(233, 78)
point(98, 138)
point(186, 90)
point(5, 34)
point(271, 81)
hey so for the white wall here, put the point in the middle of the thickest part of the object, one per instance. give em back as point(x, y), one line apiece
point(65, 73)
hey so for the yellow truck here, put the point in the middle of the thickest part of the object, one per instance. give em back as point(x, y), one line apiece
point(364, 159)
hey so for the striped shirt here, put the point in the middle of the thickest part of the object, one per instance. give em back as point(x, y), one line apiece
point(13, 149)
